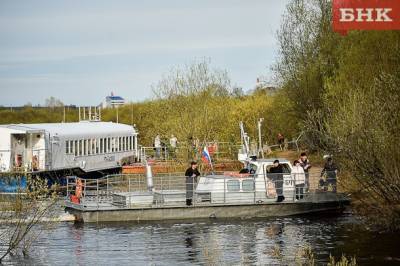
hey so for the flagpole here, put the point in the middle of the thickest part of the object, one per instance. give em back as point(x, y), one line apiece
point(212, 167)
point(205, 150)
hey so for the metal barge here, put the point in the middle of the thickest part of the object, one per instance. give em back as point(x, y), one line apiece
point(228, 195)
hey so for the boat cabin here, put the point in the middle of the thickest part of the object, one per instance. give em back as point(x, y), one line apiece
point(257, 185)
point(85, 146)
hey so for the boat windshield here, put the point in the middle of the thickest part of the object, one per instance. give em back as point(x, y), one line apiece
point(252, 169)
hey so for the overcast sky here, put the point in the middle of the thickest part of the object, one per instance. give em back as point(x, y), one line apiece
point(80, 51)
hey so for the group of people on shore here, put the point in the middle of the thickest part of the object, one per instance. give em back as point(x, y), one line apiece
point(160, 145)
point(168, 148)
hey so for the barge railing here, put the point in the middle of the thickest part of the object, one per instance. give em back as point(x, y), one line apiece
point(130, 190)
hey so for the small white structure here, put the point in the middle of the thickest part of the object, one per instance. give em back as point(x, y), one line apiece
point(246, 188)
point(113, 101)
point(86, 145)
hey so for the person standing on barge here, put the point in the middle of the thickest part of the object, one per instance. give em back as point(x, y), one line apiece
point(299, 179)
point(305, 163)
point(191, 175)
point(276, 173)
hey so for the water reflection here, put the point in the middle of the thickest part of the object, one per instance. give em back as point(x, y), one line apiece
point(273, 241)
point(77, 232)
point(191, 248)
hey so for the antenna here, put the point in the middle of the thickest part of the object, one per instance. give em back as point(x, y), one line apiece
point(260, 148)
point(244, 139)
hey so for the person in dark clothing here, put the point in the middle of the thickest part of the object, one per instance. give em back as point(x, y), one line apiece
point(191, 175)
point(330, 170)
point(281, 140)
point(305, 163)
point(244, 171)
point(276, 173)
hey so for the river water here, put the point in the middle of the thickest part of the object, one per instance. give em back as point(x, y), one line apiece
point(213, 242)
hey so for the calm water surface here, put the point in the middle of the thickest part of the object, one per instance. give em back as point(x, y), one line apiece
point(257, 242)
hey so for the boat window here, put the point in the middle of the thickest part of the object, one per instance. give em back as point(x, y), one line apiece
point(285, 168)
point(112, 145)
point(80, 147)
point(89, 146)
point(85, 147)
point(119, 144)
point(126, 143)
point(66, 146)
point(130, 143)
point(108, 145)
point(233, 185)
point(248, 185)
point(76, 147)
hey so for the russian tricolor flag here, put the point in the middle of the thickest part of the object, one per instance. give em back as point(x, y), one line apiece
point(205, 156)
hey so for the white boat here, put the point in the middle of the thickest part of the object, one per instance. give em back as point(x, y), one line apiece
point(67, 148)
point(227, 195)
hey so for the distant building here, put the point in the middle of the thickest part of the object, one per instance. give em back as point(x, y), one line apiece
point(113, 101)
point(264, 86)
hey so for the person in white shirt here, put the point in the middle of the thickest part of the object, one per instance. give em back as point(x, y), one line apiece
point(157, 146)
point(173, 142)
point(299, 178)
